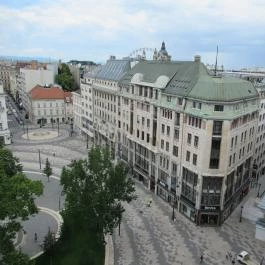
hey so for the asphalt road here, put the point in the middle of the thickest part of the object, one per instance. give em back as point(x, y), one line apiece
point(50, 201)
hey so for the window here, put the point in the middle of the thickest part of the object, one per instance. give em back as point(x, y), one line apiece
point(163, 128)
point(168, 130)
point(148, 123)
point(189, 138)
point(218, 107)
point(230, 160)
point(147, 138)
point(196, 141)
point(176, 134)
point(142, 121)
point(138, 133)
point(188, 156)
point(140, 91)
point(142, 135)
point(177, 119)
point(215, 153)
point(175, 150)
point(217, 127)
point(168, 98)
point(162, 144)
point(167, 146)
point(180, 101)
point(194, 159)
point(194, 104)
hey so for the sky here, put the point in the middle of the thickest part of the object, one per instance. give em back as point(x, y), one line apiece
point(95, 29)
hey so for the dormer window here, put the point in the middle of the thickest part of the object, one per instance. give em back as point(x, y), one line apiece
point(218, 107)
point(196, 105)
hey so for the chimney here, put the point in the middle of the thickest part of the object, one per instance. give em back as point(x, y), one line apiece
point(112, 57)
point(197, 58)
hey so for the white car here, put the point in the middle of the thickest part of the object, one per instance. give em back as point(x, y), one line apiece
point(244, 258)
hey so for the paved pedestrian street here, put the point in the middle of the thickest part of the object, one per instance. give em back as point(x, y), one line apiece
point(148, 235)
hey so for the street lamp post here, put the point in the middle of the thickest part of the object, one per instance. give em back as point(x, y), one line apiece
point(39, 159)
point(240, 219)
point(258, 190)
point(58, 126)
point(119, 226)
point(173, 211)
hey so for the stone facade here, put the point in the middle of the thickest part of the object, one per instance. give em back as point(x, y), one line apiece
point(187, 135)
point(4, 130)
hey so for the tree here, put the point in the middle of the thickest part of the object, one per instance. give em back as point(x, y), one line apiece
point(47, 170)
point(95, 189)
point(65, 78)
point(8, 163)
point(49, 244)
point(17, 195)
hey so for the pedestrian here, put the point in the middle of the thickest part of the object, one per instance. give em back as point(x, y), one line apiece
point(150, 202)
point(201, 258)
point(35, 237)
point(233, 261)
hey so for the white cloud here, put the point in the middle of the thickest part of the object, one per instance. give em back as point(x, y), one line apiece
point(186, 25)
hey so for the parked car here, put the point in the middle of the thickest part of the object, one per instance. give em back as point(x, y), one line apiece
point(244, 258)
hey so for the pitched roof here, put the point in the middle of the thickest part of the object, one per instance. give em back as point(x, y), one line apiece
point(189, 79)
point(40, 92)
point(114, 69)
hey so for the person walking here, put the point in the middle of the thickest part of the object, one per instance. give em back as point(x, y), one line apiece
point(35, 237)
point(201, 259)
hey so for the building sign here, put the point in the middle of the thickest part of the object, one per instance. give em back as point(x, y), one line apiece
point(210, 208)
point(162, 184)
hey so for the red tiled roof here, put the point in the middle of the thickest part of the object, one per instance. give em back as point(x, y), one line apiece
point(39, 92)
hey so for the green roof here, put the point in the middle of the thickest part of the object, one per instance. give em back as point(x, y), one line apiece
point(215, 88)
point(190, 79)
point(151, 70)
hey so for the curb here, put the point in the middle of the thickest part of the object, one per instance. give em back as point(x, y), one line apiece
point(59, 220)
point(40, 173)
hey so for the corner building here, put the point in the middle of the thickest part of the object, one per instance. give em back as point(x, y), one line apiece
point(189, 136)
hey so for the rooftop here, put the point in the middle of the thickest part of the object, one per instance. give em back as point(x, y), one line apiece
point(52, 93)
point(113, 69)
point(189, 79)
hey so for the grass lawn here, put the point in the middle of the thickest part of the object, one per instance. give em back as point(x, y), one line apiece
point(81, 249)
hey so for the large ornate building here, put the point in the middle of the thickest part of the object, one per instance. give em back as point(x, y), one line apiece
point(188, 135)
